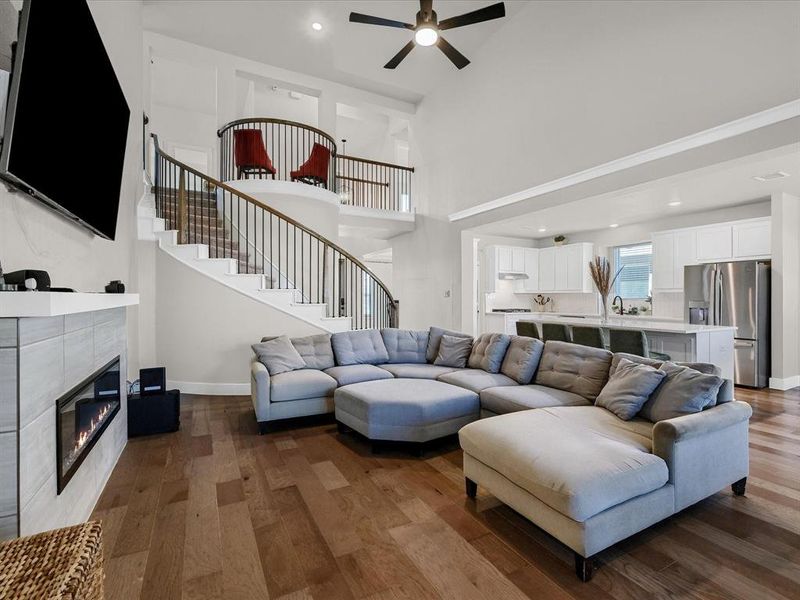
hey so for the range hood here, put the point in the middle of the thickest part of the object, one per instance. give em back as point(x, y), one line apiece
point(511, 275)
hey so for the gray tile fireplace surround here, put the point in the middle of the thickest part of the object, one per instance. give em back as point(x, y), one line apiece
point(41, 358)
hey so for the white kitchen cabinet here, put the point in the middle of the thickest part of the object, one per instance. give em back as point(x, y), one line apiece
point(663, 261)
point(518, 260)
point(504, 258)
point(562, 269)
point(547, 269)
point(671, 252)
point(531, 260)
point(714, 243)
point(752, 239)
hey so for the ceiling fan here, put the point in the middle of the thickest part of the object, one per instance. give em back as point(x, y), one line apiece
point(428, 28)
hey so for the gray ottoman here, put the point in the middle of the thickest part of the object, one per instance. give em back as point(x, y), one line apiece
point(407, 410)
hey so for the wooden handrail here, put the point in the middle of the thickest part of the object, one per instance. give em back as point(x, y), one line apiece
point(276, 213)
point(375, 162)
point(227, 126)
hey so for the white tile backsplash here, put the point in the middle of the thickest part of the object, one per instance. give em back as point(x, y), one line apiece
point(668, 305)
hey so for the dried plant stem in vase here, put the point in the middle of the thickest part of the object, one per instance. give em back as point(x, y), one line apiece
point(600, 269)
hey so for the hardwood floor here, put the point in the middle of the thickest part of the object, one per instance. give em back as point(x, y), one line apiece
point(216, 511)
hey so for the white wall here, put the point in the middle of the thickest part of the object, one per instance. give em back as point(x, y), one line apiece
point(564, 86)
point(204, 329)
point(785, 291)
point(32, 236)
point(220, 81)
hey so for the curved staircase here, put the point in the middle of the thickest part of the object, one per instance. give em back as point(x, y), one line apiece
point(259, 252)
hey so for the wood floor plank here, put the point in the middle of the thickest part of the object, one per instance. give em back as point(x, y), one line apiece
point(216, 511)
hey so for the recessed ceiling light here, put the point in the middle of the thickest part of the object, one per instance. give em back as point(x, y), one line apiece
point(542, 229)
point(613, 225)
point(316, 26)
point(771, 176)
point(674, 203)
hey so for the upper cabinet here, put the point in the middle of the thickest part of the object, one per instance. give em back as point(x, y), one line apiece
point(553, 269)
point(531, 260)
point(547, 269)
point(673, 250)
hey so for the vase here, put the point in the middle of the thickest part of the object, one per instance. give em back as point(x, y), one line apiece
point(604, 314)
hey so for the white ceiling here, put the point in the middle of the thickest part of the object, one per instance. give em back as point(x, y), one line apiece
point(279, 33)
point(725, 184)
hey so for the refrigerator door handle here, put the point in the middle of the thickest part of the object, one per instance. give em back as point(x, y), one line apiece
point(712, 305)
point(718, 296)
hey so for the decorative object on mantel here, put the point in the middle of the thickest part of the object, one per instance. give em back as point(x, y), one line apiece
point(62, 563)
point(559, 240)
point(600, 269)
point(542, 302)
point(115, 286)
point(5, 287)
point(20, 280)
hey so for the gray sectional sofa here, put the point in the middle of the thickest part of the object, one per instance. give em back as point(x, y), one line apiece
point(537, 423)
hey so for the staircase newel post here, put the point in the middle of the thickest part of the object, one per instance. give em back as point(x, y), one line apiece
point(183, 210)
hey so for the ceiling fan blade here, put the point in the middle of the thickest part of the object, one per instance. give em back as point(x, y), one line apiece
point(495, 11)
point(370, 20)
point(397, 58)
point(458, 59)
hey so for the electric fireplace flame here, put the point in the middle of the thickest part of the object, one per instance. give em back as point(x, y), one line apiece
point(82, 416)
point(85, 435)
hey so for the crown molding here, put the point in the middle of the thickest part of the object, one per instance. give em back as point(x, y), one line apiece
point(725, 131)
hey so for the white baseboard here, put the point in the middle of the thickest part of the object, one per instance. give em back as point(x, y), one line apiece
point(210, 389)
point(786, 383)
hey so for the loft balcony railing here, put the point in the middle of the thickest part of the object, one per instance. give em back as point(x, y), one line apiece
point(285, 150)
point(264, 241)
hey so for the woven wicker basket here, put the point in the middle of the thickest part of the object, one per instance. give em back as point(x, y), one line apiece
point(60, 564)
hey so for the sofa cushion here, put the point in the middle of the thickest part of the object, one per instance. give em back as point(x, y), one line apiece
point(682, 392)
point(279, 355)
point(522, 358)
point(476, 379)
point(435, 338)
point(300, 385)
point(488, 352)
point(578, 471)
point(453, 352)
point(579, 369)
point(511, 398)
point(634, 358)
point(406, 401)
point(347, 374)
point(364, 346)
point(628, 388)
point(405, 345)
point(416, 371)
point(316, 350)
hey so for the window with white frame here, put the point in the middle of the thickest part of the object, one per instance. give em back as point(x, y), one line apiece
point(636, 278)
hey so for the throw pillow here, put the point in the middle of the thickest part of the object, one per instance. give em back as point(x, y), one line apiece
point(488, 352)
point(682, 392)
point(316, 350)
point(629, 388)
point(522, 358)
point(453, 351)
point(279, 355)
point(435, 338)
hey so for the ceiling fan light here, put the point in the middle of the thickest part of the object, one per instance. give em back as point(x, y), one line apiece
point(426, 36)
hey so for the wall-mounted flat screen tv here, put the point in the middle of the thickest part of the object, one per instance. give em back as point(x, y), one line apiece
point(67, 120)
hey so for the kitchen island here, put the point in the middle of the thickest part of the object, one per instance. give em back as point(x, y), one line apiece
point(681, 341)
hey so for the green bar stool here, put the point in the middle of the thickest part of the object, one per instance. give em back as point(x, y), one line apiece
point(528, 329)
point(555, 332)
point(587, 336)
point(633, 341)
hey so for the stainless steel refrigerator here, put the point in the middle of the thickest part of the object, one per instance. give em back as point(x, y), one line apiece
point(735, 294)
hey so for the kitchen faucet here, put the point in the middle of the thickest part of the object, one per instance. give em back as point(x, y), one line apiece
point(621, 305)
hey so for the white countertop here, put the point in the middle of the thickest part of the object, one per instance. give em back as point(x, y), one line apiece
point(644, 323)
point(52, 304)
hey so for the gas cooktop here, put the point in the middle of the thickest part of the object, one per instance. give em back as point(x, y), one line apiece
point(511, 310)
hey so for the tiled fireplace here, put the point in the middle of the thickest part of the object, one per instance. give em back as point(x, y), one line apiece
point(63, 407)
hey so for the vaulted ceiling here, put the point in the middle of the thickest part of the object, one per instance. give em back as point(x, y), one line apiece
point(279, 33)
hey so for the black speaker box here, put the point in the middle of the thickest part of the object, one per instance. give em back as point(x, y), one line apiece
point(152, 381)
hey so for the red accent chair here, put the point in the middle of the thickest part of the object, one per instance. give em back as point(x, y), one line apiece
point(315, 170)
point(250, 155)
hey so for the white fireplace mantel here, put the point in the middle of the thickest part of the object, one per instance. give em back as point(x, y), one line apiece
point(53, 304)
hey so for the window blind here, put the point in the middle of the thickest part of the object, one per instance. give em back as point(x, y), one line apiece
point(635, 280)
